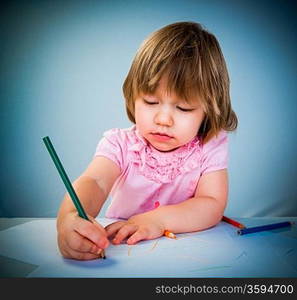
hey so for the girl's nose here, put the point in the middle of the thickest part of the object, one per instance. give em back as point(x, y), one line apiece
point(164, 118)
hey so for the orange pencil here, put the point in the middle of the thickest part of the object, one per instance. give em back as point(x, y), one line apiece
point(169, 234)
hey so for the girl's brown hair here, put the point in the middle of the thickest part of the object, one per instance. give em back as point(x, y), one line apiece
point(192, 60)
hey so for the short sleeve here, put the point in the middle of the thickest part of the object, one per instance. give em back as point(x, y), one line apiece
point(215, 154)
point(112, 147)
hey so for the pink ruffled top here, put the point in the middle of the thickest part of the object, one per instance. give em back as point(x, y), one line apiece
point(149, 177)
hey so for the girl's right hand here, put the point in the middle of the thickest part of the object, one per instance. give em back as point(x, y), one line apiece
point(79, 238)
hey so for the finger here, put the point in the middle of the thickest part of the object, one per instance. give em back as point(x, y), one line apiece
point(139, 235)
point(92, 232)
point(124, 232)
point(79, 243)
point(111, 229)
point(70, 253)
point(98, 225)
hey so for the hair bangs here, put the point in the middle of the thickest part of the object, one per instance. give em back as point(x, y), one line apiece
point(181, 69)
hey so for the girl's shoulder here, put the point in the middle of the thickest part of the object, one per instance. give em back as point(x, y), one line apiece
point(122, 136)
point(217, 141)
point(115, 145)
point(215, 153)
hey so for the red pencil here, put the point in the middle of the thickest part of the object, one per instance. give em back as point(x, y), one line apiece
point(233, 222)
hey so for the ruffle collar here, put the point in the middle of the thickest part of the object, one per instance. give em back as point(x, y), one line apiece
point(163, 167)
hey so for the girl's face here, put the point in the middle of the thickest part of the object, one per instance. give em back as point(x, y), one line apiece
point(166, 121)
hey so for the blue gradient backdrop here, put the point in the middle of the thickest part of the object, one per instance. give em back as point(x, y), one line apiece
point(62, 68)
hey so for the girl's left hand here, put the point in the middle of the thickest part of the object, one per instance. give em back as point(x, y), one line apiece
point(137, 228)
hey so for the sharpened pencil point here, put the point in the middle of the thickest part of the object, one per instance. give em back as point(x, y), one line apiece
point(169, 234)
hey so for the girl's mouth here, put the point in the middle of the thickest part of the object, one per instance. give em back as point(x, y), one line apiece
point(162, 137)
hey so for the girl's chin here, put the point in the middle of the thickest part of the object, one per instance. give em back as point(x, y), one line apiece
point(163, 148)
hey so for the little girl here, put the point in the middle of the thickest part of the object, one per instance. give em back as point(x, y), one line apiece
point(169, 170)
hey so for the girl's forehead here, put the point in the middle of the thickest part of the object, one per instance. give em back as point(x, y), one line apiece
point(163, 92)
point(185, 93)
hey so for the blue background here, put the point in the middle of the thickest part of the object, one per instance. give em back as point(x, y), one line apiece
point(62, 68)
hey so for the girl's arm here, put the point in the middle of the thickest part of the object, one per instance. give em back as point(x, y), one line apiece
point(202, 211)
point(77, 237)
point(92, 187)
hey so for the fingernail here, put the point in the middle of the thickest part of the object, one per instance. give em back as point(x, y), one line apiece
point(130, 241)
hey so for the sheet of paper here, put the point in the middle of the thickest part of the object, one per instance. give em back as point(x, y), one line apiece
point(34, 242)
point(216, 252)
point(191, 255)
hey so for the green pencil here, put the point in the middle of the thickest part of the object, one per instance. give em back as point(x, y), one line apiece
point(66, 180)
point(64, 177)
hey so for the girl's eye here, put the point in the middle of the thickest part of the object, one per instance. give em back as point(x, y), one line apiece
point(185, 109)
point(149, 102)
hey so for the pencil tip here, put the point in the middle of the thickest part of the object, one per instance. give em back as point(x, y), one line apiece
point(102, 254)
